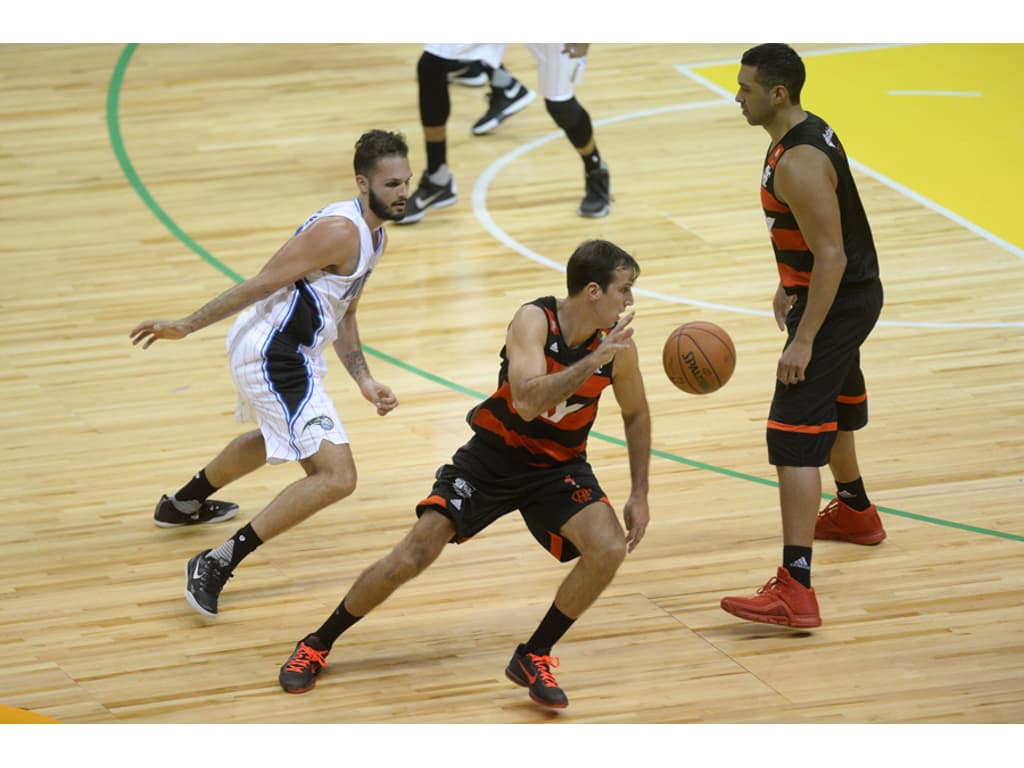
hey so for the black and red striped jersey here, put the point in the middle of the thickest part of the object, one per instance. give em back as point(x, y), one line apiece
point(792, 256)
point(555, 437)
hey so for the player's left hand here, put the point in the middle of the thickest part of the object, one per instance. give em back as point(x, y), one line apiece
point(793, 363)
point(381, 396)
point(637, 515)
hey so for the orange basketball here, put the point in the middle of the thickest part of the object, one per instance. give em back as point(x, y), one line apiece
point(699, 357)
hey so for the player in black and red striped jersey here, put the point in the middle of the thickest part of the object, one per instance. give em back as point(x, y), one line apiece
point(828, 300)
point(528, 453)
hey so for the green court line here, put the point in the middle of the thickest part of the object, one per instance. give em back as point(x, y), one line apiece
point(117, 142)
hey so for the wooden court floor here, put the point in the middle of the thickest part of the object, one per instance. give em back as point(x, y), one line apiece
point(139, 182)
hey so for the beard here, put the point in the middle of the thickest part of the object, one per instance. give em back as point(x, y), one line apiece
point(382, 211)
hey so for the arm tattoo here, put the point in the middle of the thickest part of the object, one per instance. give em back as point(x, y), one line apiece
point(355, 364)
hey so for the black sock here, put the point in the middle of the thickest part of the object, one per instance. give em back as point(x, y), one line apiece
point(797, 560)
point(591, 160)
point(196, 489)
point(853, 494)
point(550, 631)
point(437, 155)
point(336, 623)
point(243, 543)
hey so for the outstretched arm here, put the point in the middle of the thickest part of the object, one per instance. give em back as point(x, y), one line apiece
point(331, 241)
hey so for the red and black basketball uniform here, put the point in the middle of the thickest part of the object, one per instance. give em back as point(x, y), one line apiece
point(792, 256)
point(804, 418)
point(558, 436)
point(538, 467)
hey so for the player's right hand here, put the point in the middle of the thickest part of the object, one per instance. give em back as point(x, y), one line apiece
point(616, 340)
point(148, 331)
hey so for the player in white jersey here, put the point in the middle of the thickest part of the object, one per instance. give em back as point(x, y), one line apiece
point(560, 68)
point(302, 300)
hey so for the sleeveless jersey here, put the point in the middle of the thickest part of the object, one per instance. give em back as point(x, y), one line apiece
point(558, 436)
point(281, 338)
point(792, 256)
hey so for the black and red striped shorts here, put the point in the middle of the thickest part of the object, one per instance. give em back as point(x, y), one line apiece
point(803, 418)
point(479, 486)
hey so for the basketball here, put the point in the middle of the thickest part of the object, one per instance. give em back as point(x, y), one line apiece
point(699, 357)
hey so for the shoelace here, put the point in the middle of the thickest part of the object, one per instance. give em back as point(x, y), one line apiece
point(830, 508)
point(306, 656)
point(543, 664)
point(773, 583)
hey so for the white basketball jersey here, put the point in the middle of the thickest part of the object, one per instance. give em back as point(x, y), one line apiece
point(305, 315)
point(275, 349)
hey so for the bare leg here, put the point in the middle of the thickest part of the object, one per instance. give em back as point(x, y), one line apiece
point(435, 133)
point(330, 477)
point(599, 536)
point(843, 459)
point(241, 456)
point(800, 496)
point(410, 557)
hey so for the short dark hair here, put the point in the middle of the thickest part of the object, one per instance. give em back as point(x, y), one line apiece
point(777, 64)
point(595, 261)
point(375, 144)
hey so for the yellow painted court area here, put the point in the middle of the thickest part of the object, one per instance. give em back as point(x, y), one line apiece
point(15, 715)
point(944, 121)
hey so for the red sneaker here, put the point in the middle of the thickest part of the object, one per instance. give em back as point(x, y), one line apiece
point(783, 600)
point(842, 522)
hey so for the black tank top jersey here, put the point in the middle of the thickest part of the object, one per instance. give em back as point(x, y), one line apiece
point(558, 436)
point(792, 256)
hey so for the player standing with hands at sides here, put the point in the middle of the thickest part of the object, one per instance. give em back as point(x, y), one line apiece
point(303, 299)
point(528, 452)
point(828, 300)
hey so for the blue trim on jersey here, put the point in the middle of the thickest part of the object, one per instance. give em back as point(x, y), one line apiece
point(283, 355)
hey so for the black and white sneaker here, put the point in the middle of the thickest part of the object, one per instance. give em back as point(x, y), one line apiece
point(504, 102)
point(597, 197)
point(470, 73)
point(429, 195)
point(205, 577)
point(171, 513)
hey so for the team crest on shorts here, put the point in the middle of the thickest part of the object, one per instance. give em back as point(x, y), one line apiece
point(326, 423)
point(463, 488)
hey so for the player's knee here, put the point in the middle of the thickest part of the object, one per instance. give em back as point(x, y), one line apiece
point(407, 562)
point(430, 67)
point(606, 547)
point(341, 484)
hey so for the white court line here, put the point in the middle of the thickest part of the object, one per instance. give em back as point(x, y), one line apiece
point(483, 214)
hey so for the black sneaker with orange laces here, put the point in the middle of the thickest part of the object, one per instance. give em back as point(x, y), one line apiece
point(534, 672)
point(298, 674)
